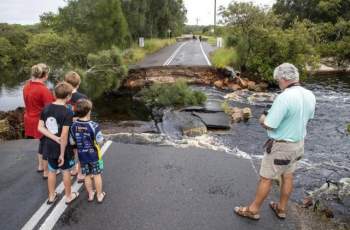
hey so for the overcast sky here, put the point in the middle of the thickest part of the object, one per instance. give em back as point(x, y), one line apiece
point(28, 11)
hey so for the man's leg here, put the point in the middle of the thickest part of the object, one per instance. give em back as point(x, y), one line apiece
point(286, 190)
point(262, 192)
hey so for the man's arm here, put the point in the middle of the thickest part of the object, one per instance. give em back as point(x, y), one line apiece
point(47, 133)
point(262, 122)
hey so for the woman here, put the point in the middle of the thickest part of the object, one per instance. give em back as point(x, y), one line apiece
point(36, 96)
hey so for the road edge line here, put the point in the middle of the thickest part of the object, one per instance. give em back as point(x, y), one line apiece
point(171, 58)
point(205, 56)
point(34, 220)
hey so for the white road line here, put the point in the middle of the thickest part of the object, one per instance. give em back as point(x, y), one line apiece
point(171, 58)
point(205, 56)
point(34, 220)
point(60, 207)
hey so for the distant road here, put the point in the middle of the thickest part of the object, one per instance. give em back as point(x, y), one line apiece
point(188, 53)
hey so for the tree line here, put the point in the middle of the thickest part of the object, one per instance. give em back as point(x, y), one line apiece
point(297, 31)
point(86, 27)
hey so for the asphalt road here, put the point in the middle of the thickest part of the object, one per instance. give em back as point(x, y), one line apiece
point(147, 187)
point(187, 53)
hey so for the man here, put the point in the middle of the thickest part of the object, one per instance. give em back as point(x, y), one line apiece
point(286, 123)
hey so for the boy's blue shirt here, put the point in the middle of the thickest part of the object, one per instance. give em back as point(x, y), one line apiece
point(87, 137)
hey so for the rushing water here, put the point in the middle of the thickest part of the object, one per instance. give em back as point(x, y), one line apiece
point(327, 146)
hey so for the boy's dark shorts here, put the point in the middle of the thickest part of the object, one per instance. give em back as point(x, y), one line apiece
point(92, 168)
point(53, 164)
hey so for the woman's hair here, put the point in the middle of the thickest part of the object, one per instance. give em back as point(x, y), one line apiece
point(40, 70)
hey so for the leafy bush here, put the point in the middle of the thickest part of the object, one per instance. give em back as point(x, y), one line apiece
point(178, 94)
point(224, 57)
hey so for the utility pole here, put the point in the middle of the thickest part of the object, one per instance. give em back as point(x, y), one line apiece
point(197, 20)
point(214, 16)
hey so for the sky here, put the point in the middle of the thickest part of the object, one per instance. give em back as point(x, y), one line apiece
point(28, 11)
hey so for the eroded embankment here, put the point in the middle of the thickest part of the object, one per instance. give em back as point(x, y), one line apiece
point(202, 75)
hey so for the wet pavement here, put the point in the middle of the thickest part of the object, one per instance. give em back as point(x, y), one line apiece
point(188, 53)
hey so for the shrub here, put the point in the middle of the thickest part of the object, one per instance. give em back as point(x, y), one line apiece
point(224, 57)
point(178, 94)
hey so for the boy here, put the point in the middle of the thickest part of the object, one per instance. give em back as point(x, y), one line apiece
point(54, 124)
point(87, 137)
point(74, 80)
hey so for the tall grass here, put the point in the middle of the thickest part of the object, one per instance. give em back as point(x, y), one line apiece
point(136, 53)
point(223, 57)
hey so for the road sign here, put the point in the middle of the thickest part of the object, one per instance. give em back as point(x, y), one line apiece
point(142, 42)
point(219, 42)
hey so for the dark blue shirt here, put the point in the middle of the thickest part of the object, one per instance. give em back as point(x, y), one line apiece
point(87, 137)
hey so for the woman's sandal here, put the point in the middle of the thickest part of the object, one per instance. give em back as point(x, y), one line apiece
point(91, 197)
point(279, 213)
point(99, 199)
point(74, 197)
point(49, 202)
point(245, 212)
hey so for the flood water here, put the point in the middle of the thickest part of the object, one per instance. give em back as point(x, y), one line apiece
point(327, 146)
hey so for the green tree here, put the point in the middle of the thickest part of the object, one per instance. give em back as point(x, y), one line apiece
point(18, 38)
point(313, 10)
point(106, 71)
point(101, 20)
point(262, 44)
point(6, 53)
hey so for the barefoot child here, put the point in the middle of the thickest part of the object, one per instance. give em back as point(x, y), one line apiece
point(54, 124)
point(87, 137)
point(74, 80)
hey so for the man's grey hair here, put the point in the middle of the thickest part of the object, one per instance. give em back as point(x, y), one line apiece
point(287, 72)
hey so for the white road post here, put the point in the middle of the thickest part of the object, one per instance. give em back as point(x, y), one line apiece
point(142, 42)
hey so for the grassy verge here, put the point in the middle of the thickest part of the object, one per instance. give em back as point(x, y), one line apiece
point(223, 57)
point(136, 53)
point(211, 40)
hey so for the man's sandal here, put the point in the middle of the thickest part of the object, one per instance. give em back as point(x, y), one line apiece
point(278, 212)
point(74, 195)
point(245, 212)
point(49, 202)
